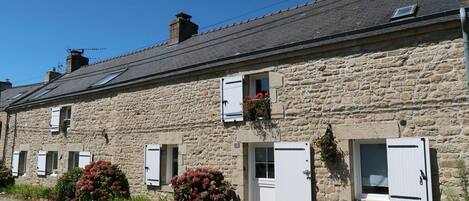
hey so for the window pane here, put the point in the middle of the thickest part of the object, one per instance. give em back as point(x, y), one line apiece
point(175, 161)
point(262, 85)
point(261, 170)
point(55, 155)
point(270, 154)
point(22, 163)
point(271, 170)
point(374, 168)
point(261, 154)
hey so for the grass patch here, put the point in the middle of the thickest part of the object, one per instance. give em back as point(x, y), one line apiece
point(29, 192)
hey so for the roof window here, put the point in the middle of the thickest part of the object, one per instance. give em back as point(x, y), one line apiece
point(107, 78)
point(16, 96)
point(41, 93)
point(404, 12)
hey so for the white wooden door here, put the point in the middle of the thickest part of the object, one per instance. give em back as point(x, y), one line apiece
point(261, 172)
point(409, 169)
point(292, 171)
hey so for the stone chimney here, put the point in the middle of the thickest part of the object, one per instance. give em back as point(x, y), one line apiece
point(76, 60)
point(5, 85)
point(181, 28)
point(51, 75)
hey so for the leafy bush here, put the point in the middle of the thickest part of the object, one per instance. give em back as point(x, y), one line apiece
point(30, 192)
point(66, 185)
point(6, 179)
point(203, 184)
point(101, 181)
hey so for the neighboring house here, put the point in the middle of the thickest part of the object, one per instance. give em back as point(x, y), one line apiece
point(9, 95)
point(389, 79)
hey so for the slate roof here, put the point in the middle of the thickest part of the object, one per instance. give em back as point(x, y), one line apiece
point(305, 26)
point(6, 96)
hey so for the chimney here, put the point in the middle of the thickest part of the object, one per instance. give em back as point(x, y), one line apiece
point(5, 85)
point(76, 60)
point(181, 28)
point(51, 75)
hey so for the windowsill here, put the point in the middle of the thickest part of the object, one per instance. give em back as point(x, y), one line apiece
point(375, 198)
point(167, 188)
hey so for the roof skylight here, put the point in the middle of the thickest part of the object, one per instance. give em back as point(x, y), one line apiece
point(16, 96)
point(404, 12)
point(107, 79)
point(40, 94)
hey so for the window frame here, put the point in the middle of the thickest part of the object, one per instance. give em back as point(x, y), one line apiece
point(359, 195)
point(50, 171)
point(108, 77)
point(252, 82)
point(169, 160)
point(73, 156)
point(63, 116)
point(41, 94)
point(26, 163)
point(16, 96)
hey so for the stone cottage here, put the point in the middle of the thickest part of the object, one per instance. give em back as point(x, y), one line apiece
point(387, 79)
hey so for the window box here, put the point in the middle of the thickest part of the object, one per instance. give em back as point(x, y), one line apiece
point(256, 107)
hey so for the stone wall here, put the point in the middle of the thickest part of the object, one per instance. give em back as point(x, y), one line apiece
point(3, 131)
point(420, 79)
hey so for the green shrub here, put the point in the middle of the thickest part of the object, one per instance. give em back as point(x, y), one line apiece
point(202, 184)
point(66, 185)
point(101, 181)
point(30, 192)
point(6, 179)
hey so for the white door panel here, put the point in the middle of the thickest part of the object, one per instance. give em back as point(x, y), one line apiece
point(292, 161)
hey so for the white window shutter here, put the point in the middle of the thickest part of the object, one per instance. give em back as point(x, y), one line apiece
point(55, 120)
point(409, 173)
point(41, 163)
point(15, 163)
point(232, 99)
point(85, 159)
point(292, 171)
point(152, 164)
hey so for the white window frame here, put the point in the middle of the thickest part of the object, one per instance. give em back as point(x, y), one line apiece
point(73, 155)
point(26, 164)
point(169, 161)
point(52, 172)
point(62, 120)
point(252, 82)
point(357, 172)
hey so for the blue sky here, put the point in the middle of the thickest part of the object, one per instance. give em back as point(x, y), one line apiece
point(34, 35)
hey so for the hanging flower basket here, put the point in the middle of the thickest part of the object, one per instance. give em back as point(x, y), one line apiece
point(257, 107)
point(328, 146)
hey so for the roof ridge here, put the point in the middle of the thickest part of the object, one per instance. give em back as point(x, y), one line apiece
point(256, 18)
point(128, 53)
point(203, 33)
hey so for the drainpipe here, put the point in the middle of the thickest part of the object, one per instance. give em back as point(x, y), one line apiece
point(465, 32)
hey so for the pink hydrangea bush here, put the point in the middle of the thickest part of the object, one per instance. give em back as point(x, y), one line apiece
point(101, 181)
point(202, 185)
